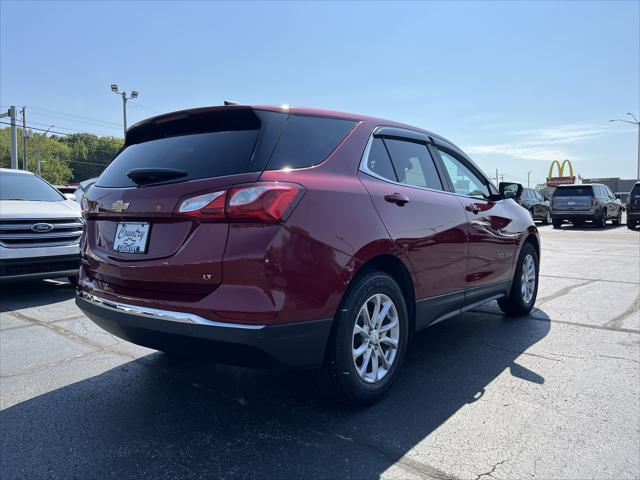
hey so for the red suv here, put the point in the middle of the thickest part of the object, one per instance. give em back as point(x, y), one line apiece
point(267, 236)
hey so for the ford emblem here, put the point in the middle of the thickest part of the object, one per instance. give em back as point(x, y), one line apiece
point(42, 227)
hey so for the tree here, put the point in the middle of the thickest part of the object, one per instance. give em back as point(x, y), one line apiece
point(66, 158)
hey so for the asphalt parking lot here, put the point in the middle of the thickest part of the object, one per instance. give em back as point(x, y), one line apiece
point(553, 395)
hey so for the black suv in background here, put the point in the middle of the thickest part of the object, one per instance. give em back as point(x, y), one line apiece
point(633, 207)
point(538, 207)
point(577, 203)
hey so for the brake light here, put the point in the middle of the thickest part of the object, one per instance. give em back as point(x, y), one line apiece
point(205, 207)
point(257, 202)
point(262, 202)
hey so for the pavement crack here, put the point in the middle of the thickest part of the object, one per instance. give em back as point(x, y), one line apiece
point(619, 358)
point(505, 349)
point(590, 279)
point(617, 321)
point(563, 291)
point(51, 364)
point(492, 471)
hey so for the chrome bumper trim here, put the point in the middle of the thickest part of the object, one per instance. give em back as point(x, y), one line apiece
point(167, 315)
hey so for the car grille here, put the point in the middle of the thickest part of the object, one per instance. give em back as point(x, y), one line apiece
point(29, 266)
point(22, 233)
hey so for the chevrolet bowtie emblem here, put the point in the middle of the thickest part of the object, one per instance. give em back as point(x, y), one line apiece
point(119, 206)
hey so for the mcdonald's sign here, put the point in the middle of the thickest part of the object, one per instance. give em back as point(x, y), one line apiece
point(561, 179)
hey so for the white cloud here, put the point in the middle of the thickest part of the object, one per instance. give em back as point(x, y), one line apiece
point(570, 133)
point(522, 151)
point(544, 144)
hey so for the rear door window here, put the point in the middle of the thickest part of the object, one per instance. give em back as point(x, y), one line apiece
point(379, 162)
point(307, 141)
point(413, 164)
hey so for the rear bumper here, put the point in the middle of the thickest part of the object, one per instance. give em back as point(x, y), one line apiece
point(14, 269)
point(300, 344)
point(633, 215)
point(581, 214)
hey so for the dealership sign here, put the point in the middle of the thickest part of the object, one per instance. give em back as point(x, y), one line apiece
point(561, 179)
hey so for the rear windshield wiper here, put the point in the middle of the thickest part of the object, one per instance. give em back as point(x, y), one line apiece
point(142, 176)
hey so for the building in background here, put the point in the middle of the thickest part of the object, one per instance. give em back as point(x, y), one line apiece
point(617, 185)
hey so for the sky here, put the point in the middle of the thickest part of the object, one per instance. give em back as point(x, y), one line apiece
point(514, 84)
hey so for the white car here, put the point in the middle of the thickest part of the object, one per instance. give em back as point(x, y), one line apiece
point(40, 229)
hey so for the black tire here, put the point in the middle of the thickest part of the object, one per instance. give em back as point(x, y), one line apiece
point(601, 221)
point(618, 219)
point(514, 305)
point(547, 219)
point(556, 223)
point(338, 377)
point(631, 225)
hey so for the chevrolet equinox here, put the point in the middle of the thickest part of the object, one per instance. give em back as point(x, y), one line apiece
point(277, 236)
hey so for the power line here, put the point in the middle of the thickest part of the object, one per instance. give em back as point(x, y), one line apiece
point(115, 142)
point(68, 119)
point(80, 117)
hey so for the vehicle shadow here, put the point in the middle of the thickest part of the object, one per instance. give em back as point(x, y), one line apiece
point(157, 417)
point(35, 293)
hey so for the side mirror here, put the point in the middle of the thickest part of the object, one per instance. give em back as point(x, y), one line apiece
point(510, 190)
point(69, 196)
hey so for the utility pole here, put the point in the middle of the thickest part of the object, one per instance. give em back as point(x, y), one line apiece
point(528, 176)
point(11, 113)
point(497, 177)
point(134, 94)
point(14, 149)
point(25, 164)
point(40, 161)
point(636, 122)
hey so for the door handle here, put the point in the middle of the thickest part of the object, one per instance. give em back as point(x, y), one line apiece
point(397, 198)
point(472, 208)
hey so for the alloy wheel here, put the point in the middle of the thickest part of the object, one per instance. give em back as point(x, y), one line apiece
point(376, 335)
point(528, 279)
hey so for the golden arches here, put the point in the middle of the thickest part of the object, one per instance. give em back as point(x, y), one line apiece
point(560, 168)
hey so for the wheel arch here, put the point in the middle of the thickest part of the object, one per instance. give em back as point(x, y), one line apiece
point(394, 267)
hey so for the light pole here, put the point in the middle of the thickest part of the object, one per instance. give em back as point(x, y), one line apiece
point(39, 161)
point(134, 94)
point(528, 176)
point(636, 122)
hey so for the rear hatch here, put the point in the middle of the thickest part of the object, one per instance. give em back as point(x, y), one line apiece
point(158, 217)
point(573, 197)
point(137, 243)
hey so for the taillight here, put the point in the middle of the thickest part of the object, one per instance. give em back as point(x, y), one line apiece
point(262, 202)
point(209, 206)
point(594, 201)
point(257, 202)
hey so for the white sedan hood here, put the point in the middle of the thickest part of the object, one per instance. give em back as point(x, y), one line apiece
point(23, 209)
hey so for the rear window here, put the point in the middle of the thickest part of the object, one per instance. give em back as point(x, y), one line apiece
point(20, 186)
point(307, 141)
point(204, 145)
point(577, 191)
point(636, 189)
